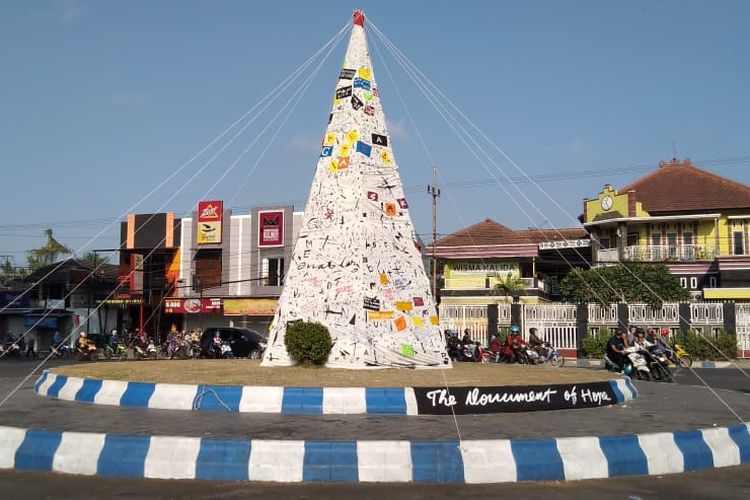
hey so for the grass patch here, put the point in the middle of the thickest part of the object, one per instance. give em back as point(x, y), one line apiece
point(249, 372)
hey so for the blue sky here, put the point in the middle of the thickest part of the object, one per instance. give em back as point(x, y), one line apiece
point(100, 101)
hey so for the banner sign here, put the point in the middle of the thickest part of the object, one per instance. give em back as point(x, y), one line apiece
point(271, 228)
point(511, 399)
point(136, 273)
point(250, 307)
point(192, 306)
point(210, 216)
point(482, 268)
point(558, 244)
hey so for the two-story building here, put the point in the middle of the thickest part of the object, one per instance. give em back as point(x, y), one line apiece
point(696, 222)
point(213, 268)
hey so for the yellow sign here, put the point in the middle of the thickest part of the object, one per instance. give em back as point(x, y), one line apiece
point(404, 306)
point(352, 136)
point(418, 321)
point(376, 315)
point(434, 320)
point(250, 307)
point(365, 73)
point(330, 139)
point(385, 157)
point(383, 279)
point(209, 232)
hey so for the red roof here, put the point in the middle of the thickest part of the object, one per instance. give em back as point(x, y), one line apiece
point(489, 232)
point(678, 186)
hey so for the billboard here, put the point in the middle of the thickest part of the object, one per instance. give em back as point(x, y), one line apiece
point(271, 228)
point(210, 215)
point(250, 307)
point(192, 306)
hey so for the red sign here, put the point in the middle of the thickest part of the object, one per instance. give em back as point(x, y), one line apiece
point(191, 306)
point(210, 214)
point(271, 228)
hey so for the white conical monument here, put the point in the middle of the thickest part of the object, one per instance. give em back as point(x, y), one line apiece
point(357, 268)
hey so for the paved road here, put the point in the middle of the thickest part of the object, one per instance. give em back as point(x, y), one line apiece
point(659, 407)
point(724, 378)
point(730, 483)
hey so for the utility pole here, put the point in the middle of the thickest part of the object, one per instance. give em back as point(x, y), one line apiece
point(433, 191)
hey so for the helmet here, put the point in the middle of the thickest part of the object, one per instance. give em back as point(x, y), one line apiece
point(83, 334)
point(627, 370)
point(650, 330)
point(665, 331)
point(515, 329)
point(114, 332)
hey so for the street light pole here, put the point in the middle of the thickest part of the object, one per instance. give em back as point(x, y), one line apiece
point(433, 191)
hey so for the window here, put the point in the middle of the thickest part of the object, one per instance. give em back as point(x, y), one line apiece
point(712, 282)
point(693, 283)
point(655, 239)
point(632, 239)
point(207, 269)
point(687, 238)
point(272, 271)
point(739, 243)
point(683, 282)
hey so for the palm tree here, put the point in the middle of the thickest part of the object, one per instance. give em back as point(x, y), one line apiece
point(511, 284)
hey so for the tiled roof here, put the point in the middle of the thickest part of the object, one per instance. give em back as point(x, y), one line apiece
point(489, 232)
point(678, 186)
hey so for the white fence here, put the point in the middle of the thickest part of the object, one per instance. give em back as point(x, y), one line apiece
point(557, 323)
point(742, 318)
point(461, 317)
point(707, 313)
point(642, 314)
point(606, 316)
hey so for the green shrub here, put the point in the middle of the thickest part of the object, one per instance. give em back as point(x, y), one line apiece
point(593, 346)
point(308, 342)
point(699, 347)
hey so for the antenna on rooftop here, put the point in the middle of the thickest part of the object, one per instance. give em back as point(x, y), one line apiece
point(674, 152)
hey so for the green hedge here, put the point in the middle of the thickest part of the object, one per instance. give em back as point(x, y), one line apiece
point(593, 346)
point(308, 342)
point(699, 347)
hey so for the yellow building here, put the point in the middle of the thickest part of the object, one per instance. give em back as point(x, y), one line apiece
point(692, 220)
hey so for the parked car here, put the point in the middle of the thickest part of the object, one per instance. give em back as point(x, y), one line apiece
point(244, 343)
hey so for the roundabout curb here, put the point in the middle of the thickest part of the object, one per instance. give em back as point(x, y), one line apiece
point(471, 461)
point(307, 400)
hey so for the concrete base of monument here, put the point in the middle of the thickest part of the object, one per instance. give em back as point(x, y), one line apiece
point(466, 389)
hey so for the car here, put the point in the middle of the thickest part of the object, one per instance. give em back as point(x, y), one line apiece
point(244, 343)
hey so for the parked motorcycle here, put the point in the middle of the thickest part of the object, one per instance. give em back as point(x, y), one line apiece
point(148, 352)
point(10, 349)
point(119, 352)
point(87, 352)
point(61, 351)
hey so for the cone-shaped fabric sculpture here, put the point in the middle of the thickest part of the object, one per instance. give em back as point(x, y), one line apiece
point(356, 266)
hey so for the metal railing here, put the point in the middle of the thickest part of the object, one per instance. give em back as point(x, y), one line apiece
point(659, 253)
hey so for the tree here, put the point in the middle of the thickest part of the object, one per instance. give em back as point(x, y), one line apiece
point(92, 259)
point(48, 253)
point(511, 284)
point(10, 275)
point(651, 284)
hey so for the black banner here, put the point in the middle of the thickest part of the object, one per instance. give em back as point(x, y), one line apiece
point(511, 399)
point(380, 140)
point(372, 303)
point(347, 74)
point(343, 92)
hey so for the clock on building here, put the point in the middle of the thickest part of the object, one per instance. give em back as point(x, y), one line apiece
point(607, 202)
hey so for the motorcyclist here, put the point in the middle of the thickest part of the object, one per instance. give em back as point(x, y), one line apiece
point(537, 344)
point(616, 348)
point(114, 339)
point(466, 340)
point(519, 346)
point(216, 344)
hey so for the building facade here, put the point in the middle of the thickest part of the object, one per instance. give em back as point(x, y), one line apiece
point(695, 222)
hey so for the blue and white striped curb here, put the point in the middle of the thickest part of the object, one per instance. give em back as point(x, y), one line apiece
point(250, 399)
point(475, 461)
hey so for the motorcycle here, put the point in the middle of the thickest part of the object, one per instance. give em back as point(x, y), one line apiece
point(148, 352)
point(11, 349)
point(221, 351)
point(681, 357)
point(553, 356)
point(87, 352)
point(119, 351)
point(61, 351)
point(658, 363)
point(638, 364)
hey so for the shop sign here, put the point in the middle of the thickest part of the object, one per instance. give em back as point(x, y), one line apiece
point(271, 228)
point(192, 306)
point(250, 307)
point(482, 268)
point(509, 399)
point(121, 302)
point(210, 216)
point(560, 244)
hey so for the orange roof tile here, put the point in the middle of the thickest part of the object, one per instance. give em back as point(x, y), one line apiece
point(678, 186)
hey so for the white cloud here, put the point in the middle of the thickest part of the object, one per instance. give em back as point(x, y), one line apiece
point(304, 144)
point(398, 130)
point(67, 10)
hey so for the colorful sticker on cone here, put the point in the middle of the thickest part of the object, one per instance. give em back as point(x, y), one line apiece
point(365, 73)
point(400, 323)
point(418, 301)
point(390, 209)
point(379, 315)
point(434, 320)
point(404, 306)
point(364, 148)
point(407, 350)
point(418, 322)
